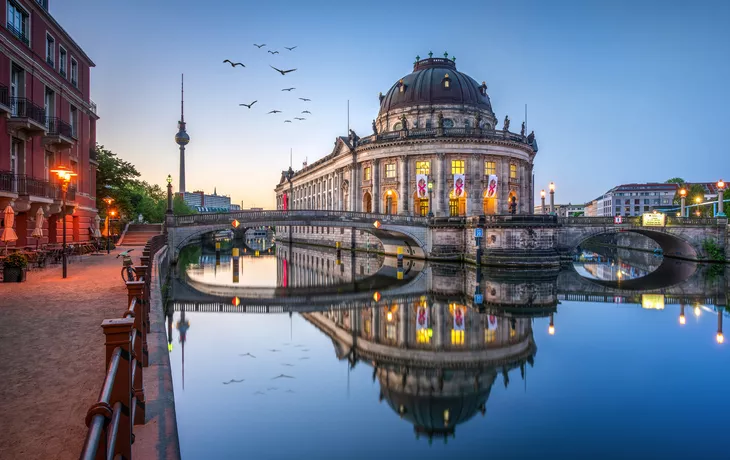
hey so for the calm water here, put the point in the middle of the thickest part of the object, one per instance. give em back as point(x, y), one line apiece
point(382, 367)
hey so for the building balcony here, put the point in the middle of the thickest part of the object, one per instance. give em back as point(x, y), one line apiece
point(92, 155)
point(26, 116)
point(4, 101)
point(59, 133)
point(18, 33)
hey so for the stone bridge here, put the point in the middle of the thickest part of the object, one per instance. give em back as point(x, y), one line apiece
point(509, 240)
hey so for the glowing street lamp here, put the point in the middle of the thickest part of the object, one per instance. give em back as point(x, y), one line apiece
point(682, 318)
point(552, 198)
point(682, 200)
point(720, 198)
point(719, 337)
point(430, 201)
point(169, 194)
point(108, 200)
point(64, 175)
point(542, 200)
point(551, 327)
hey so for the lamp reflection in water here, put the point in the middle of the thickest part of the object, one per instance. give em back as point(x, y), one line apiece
point(719, 337)
point(682, 318)
point(551, 327)
point(697, 311)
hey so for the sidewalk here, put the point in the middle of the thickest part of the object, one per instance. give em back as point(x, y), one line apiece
point(52, 355)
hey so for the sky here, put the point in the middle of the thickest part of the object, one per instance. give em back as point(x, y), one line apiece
point(617, 92)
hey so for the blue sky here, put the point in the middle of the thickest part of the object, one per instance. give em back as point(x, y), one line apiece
point(621, 91)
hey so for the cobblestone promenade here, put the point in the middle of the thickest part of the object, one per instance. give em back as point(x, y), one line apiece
point(52, 355)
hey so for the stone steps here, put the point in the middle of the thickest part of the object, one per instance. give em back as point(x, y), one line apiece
point(139, 234)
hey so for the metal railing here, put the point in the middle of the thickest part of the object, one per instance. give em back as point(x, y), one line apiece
point(121, 403)
point(297, 215)
point(21, 107)
point(636, 221)
point(36, 187)
point(4, 96)
point(58, 127)
point(18, 33)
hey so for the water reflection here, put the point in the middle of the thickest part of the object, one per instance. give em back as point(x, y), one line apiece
point(444, 348)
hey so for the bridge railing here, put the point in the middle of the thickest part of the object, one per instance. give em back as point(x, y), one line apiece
point(297, 214)
point(121, 402)
point(636, 221)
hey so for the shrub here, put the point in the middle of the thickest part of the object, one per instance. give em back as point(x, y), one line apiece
point(713, 250)
point(16, 260)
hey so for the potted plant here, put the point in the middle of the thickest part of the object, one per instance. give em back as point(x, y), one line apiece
point(14, 268)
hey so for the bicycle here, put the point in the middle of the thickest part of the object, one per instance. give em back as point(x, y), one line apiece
point(127, 266)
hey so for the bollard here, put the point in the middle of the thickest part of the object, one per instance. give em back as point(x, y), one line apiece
point(118, 335)
point(235, 252)
point(135, 290)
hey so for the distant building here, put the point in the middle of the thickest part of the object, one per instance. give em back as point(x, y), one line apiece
point(632, 200)
point(203, 202)
point(563, 210)
point(235, 207)
point(591, 209)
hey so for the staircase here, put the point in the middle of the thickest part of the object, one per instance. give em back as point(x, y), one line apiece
point(139, 234)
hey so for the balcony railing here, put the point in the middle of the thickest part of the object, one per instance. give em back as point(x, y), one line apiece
point(18, 33)
point(21, 107)
point(58, 127)
point(92, 106)
point(7, 181)
point(416, 133)
point(23, 185)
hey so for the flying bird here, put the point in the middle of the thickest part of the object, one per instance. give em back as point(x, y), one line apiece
point(259, 46)
point(290, 48)
point(287, 365)
point(249, 105)
point(274, 350)
point(233, 64)
point(288, 89)
point(271, 389)
point(287, 121)
point(275, 111)
point(283, 376)
point(247, 354)
point(233, 381)
point(306, 357)
point(306, 111)
point(273, 52)
point(290, 391)
point(299, 118)
point(259, 393)
point(283, 72)
point(305, 99)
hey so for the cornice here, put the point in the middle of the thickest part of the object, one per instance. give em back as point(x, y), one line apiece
point(447, 140)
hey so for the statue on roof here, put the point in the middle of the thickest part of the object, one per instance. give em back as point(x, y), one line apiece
point(478, 120)
point(505, 127)
point(440, 122)
point(375, 127)
point(353, 138)
point(404, 122)
point(522, 131)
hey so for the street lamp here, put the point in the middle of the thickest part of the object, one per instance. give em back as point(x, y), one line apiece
point(698, 200)
point(64, 175)
point(720, 192)
point(542, 200)
point(682, 200)
point(552, 198)
point(108, 201)
point(682, 318)
point(430, 203)
point(169, 194)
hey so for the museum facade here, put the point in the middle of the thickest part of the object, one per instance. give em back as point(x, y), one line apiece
point(435, 150)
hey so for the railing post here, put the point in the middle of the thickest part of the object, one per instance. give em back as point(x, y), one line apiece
point(135, 290)
point(118, 334)
point(136, 311)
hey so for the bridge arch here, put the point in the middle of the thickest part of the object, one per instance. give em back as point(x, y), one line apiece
point(672, 245)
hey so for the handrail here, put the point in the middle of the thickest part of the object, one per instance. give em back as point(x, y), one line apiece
point(121, 402)
point(252, 216)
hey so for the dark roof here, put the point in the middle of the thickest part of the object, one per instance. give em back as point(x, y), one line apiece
point(647, 186)
point(424, 86)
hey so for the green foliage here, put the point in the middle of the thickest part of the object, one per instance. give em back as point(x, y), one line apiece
point(694, 192)
point(713, 250)
point(16, 260)
point(118, 179)
point(675, 180)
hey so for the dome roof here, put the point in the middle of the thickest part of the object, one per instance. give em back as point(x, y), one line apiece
point(426, 86)
point(182, 138)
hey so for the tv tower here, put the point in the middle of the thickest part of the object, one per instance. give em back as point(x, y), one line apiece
point(182, 138)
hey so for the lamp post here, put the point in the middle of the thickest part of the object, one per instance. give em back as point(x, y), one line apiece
point(698, 200)
point(169, 194)
point(682, 201)
point(113, 214)
point(720, 192)
point(430, 201)
point(64, 175)
point(719, 337)
point(682, 318)
point(552, 198)
point(542, 200)
point(108, 201)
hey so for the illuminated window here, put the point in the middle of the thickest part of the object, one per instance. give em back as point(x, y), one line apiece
point(457, 166)
point(512, 333)
point(513, 171)
point(424, 335)
point(423, 167)
point(366, 174)
point(390, 331)
point(490, 335)
point(490, 168)
point(446, 81)
point(390, 170)
point(457, 337)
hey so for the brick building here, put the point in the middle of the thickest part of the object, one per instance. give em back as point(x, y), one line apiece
point(46, 119)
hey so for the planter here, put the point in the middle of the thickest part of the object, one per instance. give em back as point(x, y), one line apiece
point(13, 274)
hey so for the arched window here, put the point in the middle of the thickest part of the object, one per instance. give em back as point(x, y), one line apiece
point(398, 126)
point(448, 123)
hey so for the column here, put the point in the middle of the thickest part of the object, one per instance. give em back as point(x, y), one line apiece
point(439, 208)
point(376, 186)
point(524, 194)
point(354, 185)
point(503, 186)
point(474, 172)
point(402, 185)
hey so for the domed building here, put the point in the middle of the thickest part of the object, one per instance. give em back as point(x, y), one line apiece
point(435, 148)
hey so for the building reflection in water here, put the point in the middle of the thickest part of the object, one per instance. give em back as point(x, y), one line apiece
point(435, 360)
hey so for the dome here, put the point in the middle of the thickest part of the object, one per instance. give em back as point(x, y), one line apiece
point(435, 81)
point(182, 138)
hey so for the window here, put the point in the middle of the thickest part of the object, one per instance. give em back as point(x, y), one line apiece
point(18, 22)
point(490, 168)
point(423, 167)
point(50, 99)
point(398, 126)
point(47, 159)
point(50, 50)
point(490, 335)
point(73, 119)
point(390, 170)
point(62, 61)
point(448, 123)
point(446, 81)
point(513, 171)
point(74, 72)
point(366, 174)
point(17, 87)
point(457, 166)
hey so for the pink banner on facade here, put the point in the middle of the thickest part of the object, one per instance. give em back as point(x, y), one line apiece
point(422, 185)
point(459, 185)
point(492, 184)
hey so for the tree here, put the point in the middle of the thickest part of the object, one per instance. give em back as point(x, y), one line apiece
point(675, 180)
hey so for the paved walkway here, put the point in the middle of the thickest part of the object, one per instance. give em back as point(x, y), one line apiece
point(52, 355)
